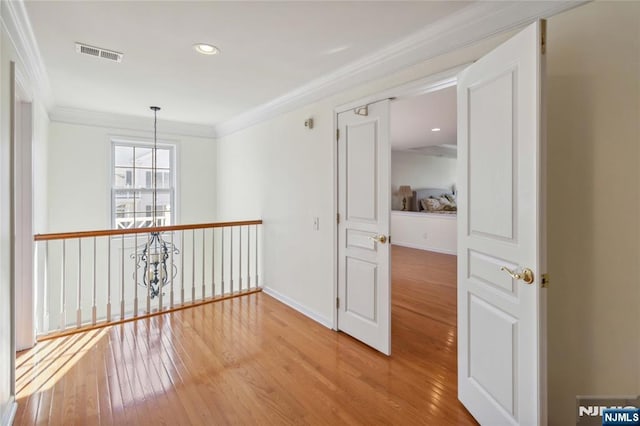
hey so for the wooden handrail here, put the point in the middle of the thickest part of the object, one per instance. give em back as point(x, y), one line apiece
point(111, 232)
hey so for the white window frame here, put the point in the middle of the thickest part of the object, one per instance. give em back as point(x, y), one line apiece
point(173, 161)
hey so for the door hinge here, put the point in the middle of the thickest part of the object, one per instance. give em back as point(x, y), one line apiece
point(338, 218)
point(337, 134)
point(543, 36)
point(545, 280)
point(337, 303)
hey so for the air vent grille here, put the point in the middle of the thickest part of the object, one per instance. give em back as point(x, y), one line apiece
point(89, 51)
point(98, 52)
point(109, 55)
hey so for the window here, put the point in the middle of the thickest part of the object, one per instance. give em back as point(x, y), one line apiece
point(132, 185)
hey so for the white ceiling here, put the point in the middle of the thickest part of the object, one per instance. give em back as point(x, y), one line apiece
point(413, 118)
point(268, 49)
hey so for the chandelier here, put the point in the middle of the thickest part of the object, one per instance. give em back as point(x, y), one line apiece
point(152, 256)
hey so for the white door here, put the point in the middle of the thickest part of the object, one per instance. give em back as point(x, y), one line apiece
point(364, 204)
point(500, 180)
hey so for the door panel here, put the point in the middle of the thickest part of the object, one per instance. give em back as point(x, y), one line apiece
point(490, 103)
point(361, 284)
point(486, 270)
point(364, 204)
point(360, 239)
point(492, 374)
point(500, 212)
point(361, 171)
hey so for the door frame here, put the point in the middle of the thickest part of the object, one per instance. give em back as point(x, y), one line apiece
point(428, 84)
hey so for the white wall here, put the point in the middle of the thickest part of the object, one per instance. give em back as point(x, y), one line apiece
point(40, 167)
point(79, 164)
point(283, 173)
point(425, 231)
point(40, 201)
point(420, 171)
point(593, 76)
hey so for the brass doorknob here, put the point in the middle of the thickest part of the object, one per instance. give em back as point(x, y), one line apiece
point(379, 238)
point(526, 275)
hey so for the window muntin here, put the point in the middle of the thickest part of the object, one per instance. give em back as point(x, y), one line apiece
point(132, 185)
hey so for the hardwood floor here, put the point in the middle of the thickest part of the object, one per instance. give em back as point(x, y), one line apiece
point(253, 360)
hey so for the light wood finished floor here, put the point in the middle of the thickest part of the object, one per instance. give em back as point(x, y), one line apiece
point(252, 360)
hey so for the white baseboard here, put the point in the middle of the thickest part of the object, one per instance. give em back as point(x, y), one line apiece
point(10, 415)
point(298, 307)
point(421, 247)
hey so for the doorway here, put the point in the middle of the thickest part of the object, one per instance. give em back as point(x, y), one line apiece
point(364, 204)
point(423, 134)
point(501, 239)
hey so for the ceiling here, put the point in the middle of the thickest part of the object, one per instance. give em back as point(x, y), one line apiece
point(267, 50)
point(412, 121)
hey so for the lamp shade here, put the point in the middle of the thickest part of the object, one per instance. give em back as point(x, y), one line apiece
point(405, 191)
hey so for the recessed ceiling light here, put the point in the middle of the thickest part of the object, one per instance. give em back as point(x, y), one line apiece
point(435, 129)
point(206, 49)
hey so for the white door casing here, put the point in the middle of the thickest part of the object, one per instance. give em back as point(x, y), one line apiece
point(364, 205)
point(501, 363)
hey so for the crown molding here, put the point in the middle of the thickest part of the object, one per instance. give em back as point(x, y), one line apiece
point(475, 22)
point(128, 122)
point(16, 22)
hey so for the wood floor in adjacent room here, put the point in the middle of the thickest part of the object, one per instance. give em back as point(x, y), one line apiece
point(253, 360)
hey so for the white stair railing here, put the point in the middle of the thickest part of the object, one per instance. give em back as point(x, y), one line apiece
point(103, 277)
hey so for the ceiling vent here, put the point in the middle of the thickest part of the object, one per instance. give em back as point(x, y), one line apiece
point(111, 55)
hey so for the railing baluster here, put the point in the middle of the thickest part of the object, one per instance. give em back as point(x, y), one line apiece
point(203, 261)
point(222, 262)
point(238, 269)
point(63, 310)
point(171, 272)
point(193, 266)
point(108, 279)
point(240, 258)
point(79, 285)
point(148, 278)
point(248, 257)
point(45, 293)
point(162, 279)
point(93, 308)
point(213, 262)
point(135, 275)
point(182, 267)
point(122, 276)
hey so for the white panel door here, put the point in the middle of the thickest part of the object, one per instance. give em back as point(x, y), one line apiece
point(364, 204)
point(500, 230)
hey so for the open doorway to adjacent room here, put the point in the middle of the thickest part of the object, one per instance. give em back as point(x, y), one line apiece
point(424, 228)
